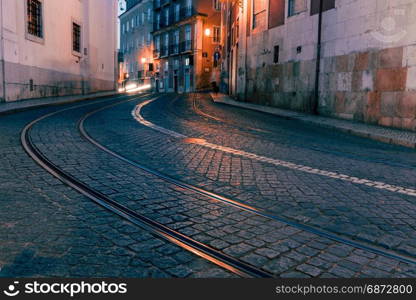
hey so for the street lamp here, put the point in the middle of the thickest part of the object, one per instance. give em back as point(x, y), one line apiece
point(207, 32)
point(143, 60)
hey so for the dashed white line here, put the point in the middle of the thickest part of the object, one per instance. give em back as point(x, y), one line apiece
point(281, 163)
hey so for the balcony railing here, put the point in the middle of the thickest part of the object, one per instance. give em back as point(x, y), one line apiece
point(187, 12)
point(174, 49)
point(182, 47)
point(164, 51)
point(186, 46)
point(174, 17)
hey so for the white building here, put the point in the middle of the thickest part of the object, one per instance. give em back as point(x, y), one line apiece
point(56, 48)
point(136, 41)
point(367, 69)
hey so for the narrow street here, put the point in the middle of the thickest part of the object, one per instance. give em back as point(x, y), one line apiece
point(167, 185)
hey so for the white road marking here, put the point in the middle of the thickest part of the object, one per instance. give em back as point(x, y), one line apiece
point(281, 163)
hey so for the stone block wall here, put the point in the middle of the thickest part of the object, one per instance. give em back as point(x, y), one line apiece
point(374, 86)
point(368, 63)
point(47, 83)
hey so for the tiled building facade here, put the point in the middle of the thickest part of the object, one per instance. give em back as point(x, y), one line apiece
point(367, 69)
point(136, 42)
point(186, 44)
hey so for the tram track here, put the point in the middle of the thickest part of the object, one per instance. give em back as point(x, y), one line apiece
point(204, 251)
point(376, 249)
point(265, 136)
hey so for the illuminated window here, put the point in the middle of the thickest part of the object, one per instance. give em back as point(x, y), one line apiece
point(217, 4)
point(216, 34)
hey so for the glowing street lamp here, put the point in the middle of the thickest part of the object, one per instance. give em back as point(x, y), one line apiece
point(143, 60)
point(207, 32)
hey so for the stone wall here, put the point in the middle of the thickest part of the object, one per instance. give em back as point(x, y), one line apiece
point(368, 57)
point(47, 83)
point(375, 86)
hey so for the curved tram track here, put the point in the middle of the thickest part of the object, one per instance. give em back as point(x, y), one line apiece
point(219, 258)
point(219, 198)
point(207, 252)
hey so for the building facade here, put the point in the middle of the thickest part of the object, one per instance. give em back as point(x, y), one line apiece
point(57, 48)
point(136, 42)
point(187, 44)
point(366, 50)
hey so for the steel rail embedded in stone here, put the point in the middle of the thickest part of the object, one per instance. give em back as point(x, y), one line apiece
point(221, 259)
point(235, 203)
point(318, 231)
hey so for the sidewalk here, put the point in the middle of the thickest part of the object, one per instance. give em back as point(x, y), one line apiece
point(378, 133)
point(16, 106)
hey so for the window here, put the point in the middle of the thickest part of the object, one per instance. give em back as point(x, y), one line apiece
point(217, 4)
point(34, 18)
point(259, 13)
point(296, 7)
point(217, 34)
point(188, 32)
point(166, 40)
point(188, 8)
point(157, 21)
point(277, 13)
point(188, 38)
point(149, 14)
point(76, 37)
point(166, 16)
point(157, 43)
point(177, 12)
point(276, 54)
point(327, 5)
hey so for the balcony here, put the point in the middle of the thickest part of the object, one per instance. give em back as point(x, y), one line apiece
point(174, 49)
point(187, 12)
point(156, 54)
point(186, 46)
point(164, 2)
point(164, 51)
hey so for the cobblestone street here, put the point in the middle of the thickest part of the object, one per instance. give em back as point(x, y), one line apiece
point(279, 196)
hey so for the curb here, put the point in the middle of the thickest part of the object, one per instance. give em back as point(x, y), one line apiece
point(292, 116)
point(57, 103)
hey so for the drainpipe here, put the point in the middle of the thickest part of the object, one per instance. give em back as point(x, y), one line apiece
point(3, 70)
point(246, 51)
point(315, 100)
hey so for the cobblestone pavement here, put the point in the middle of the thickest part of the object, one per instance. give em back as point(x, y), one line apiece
point(379, 217)
point(271, 245)
point(49, 230)
point(65, 234)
